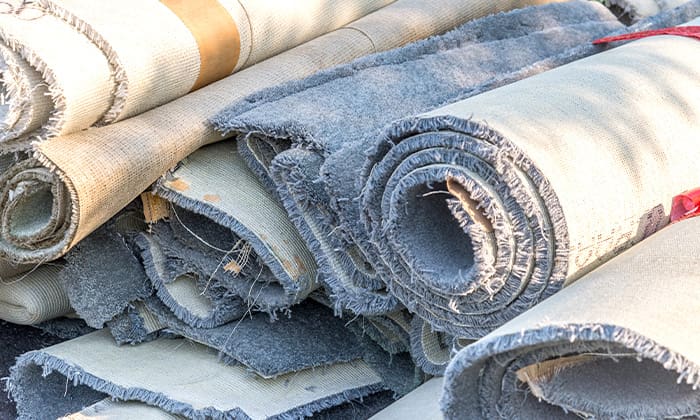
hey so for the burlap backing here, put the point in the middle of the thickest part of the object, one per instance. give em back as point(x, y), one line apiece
point(103, 61)
point(97, 172)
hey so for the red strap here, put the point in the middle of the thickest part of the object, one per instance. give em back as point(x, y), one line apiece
point(685, 205)
point(688, 31)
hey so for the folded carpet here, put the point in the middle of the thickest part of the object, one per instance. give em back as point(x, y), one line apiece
point(75, 183)
point(109, 285)
point(238, 236)
point(307, 140)
point(107, 409)
point(180, 377)
point(616, 344)
point(18, 339)
point(66, 65)
point(271, 348)
point(102, 276)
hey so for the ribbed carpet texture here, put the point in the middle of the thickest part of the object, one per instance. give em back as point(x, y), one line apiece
point(386, 209)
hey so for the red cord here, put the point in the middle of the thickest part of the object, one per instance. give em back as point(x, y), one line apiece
point(685, 205)
point(687, 31)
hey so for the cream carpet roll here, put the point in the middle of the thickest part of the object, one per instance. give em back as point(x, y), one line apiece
point(581, 164)
point(66, 65)
point(33, 297)
point(619, 343)
point(78, 181)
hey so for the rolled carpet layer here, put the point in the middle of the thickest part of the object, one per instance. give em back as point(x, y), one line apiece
point(274, 348)
point(34, 296)
point(480, 211)
point(212, 195)
point(181, 378)
point(313, 158)
point(619, 343)
point(77, 182)
point(399, 332)
point(198, 288)
point(69, 64)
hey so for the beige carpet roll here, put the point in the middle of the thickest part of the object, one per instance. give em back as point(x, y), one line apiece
point(66, 65)
point(621, 343)
point(33, 297)
point(76, 182)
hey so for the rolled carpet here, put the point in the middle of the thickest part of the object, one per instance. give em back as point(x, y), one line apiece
point(69, 64)
point(245, 240)
point(313, 158)
point(516, 202)
point(33, 297)
point(195, 286)
point(619, 343)
point(75, 183)
point(180, 377)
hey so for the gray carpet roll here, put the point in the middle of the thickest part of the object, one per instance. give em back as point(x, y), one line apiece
point(619, 343)
point(307, 140)
point(480, 211)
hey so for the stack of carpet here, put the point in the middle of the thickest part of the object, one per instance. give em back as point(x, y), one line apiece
point(283, 209)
